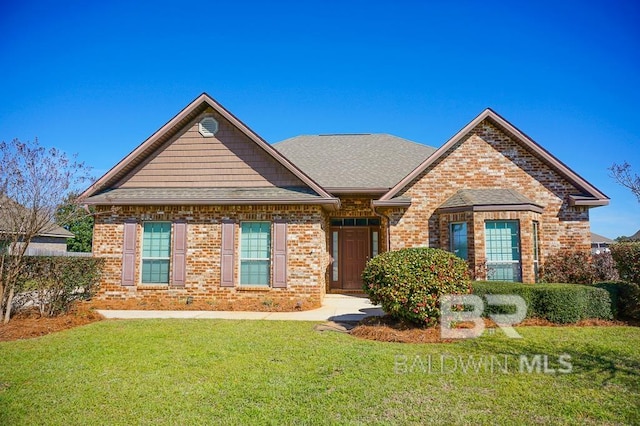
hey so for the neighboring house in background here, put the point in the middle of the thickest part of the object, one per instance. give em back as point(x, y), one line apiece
point(206, 208)
point(600, 244)
point(52, 240)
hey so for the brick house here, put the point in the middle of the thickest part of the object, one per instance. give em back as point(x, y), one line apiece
point(206, 208)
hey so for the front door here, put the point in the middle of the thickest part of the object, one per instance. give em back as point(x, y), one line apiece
point(351, 248)
point(355, 243)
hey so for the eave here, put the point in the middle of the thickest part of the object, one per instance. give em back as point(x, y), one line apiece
point(492, 208)
point(405, 202)
point(582, 200)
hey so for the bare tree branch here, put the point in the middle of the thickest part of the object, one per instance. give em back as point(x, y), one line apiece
point(622, 174)
point(34, 182)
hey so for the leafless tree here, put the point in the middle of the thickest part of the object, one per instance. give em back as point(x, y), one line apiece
point(623, 175)
point(34, 182)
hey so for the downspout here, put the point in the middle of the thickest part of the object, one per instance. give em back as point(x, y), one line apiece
point(388, 227)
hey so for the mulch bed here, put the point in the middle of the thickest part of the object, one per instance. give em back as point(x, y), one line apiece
point(27, 325)
point(179, 304)
point(30, 324)
point(387, 329)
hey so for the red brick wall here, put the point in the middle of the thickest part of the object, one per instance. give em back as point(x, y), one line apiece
point(306, 245)
point(489, 158)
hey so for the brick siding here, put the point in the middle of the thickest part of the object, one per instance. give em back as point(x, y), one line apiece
point(307, 255)
point(489, 158)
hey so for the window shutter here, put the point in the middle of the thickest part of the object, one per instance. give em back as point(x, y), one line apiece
point(129, 253)
point(279, 255)
point(179, 253)
point(227, 255)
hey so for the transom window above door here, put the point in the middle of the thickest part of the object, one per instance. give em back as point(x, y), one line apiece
point(357, 221)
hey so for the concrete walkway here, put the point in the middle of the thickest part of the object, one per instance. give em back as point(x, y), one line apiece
point(336, 307)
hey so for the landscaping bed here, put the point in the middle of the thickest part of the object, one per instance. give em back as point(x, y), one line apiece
point(29, 324)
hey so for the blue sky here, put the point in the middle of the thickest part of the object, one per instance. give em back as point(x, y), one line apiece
point(97, 78)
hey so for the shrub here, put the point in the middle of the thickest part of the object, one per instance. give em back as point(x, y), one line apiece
point(53, 284)
point(408, 283)
point(627, 258)
point(625, 297)
point(604, 267)
point(568, 266)
point(559, 303)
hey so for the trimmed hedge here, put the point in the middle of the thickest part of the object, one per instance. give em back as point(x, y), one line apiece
point(558, 303)
point(627, 257)
point(625, 298)
point(408, 283)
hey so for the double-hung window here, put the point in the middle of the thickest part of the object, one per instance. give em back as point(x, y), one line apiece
point(156, 252)
point(502, 242)
point(255, 253)
point(458, 240)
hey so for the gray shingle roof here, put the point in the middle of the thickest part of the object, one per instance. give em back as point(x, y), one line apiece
point(205, 196)
point(597, 238)
point(10, 209)
point(365, 161)
point(486, 197)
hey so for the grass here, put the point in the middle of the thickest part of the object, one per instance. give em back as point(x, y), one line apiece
point(255, 372)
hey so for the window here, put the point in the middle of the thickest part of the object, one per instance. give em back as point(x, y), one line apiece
point(536, 250)
point(334, 254)
point(502, 242)
point(374, 243)
point(255, 253)
point(356, 222)
point(458, 239)
point(156, 249)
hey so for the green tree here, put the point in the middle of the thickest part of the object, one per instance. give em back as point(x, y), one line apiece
point(78, 220)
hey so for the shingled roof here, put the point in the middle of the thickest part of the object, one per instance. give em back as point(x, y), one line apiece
point(489, 199)
point(156, 196)
point(354, 162)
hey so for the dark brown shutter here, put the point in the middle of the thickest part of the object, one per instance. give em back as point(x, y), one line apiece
point(227, 255)
point(129, 253)
point(279, 255)
point(179, 253)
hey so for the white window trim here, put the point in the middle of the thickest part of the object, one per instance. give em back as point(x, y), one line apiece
point(270, 258)
point(518, 262)
point(143, 257)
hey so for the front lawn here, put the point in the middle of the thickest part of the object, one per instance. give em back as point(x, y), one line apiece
point(257, 372)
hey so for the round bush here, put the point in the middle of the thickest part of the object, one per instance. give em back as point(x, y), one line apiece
point(408, 283)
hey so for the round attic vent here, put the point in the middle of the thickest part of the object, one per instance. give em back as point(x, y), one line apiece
point(208, 127)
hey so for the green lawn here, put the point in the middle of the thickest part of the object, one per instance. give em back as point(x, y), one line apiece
point(269, 372)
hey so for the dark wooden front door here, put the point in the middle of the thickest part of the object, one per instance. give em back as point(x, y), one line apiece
point(354, 249)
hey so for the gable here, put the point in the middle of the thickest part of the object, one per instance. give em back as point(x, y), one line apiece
point(228, 159)
point(177, 159)
point(497, 140)
point(488, 158)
